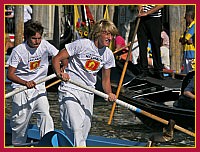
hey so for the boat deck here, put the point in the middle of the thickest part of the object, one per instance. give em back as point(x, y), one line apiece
point(169, 82)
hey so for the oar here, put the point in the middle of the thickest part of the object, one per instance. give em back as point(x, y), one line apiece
point(53, 83)
point(20, 89)
point(120, 49)
point(131, 107)
point(124, 71)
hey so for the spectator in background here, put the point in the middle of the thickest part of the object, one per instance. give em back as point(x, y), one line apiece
point(119, 44)
point(27, 13)
point(165, 36)
point(150, 28)
point(190, 90)
point(164, 49)
point(122, 55)
point(8, 44)
point(9, 15)
point(164, 52)
point(135, 51)
point(188, 41)
point(187, 99)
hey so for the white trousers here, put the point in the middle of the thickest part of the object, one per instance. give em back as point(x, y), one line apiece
point(76, 109)
point(24, 105)
point(164, 51)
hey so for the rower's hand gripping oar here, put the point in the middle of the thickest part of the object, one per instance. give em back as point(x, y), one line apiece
point(20, 89)
point(131, 107)
point(124, 71)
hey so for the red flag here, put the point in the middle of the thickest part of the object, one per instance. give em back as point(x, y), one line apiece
point(89, 14)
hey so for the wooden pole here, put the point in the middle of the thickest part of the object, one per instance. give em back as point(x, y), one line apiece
point(124, 71)
point(56, 32)
point(53, 83)
point(120, 49)
point(177, 26)
point(19, 24)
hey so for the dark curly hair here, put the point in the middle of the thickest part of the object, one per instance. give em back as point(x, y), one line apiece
point(32, 28)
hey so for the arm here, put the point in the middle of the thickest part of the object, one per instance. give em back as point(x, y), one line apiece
point(182, 40)
point(11, 76)
point(64, 64)
point(189, 94)
point(106, 84)
point(61, 56)
point(189, 90)
point(140, 9)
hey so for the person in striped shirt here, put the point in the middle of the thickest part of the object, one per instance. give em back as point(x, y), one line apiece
point(150, 28)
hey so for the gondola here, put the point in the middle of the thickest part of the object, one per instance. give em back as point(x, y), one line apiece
point(158, 98)
point(58, 138)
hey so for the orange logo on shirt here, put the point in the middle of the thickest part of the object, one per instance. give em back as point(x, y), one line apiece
point(91, 65)
point(34, 65)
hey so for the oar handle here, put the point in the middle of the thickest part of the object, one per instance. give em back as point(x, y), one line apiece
point(50, 85)
point(120, 49)
point(129, 106)
point(20, 89)
point(104, 95)
point(124, 71)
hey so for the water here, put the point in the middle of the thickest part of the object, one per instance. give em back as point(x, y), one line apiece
point(125, 125)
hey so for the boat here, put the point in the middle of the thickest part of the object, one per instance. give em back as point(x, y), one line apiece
point(158, 97)
point(58, 138)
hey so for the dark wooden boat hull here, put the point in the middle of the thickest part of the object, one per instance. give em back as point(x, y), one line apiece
point(154, 98)
point(153, 95)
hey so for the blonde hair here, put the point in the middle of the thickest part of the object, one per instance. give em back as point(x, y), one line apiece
point(100, 26)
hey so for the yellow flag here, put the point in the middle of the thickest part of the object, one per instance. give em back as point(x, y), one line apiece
point(106, 14)
point(76, 15)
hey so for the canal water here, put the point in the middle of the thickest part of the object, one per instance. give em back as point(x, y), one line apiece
point(125, 125)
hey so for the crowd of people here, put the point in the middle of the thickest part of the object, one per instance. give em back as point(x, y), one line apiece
point(81, 60)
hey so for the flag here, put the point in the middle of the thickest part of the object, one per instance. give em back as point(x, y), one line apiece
point(89, 14)
point(77, 22)
point(107, 17)
point(106, 14)
point(77, 18)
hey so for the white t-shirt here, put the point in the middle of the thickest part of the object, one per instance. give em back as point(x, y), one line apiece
point(31, 63)
point(85, 61)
